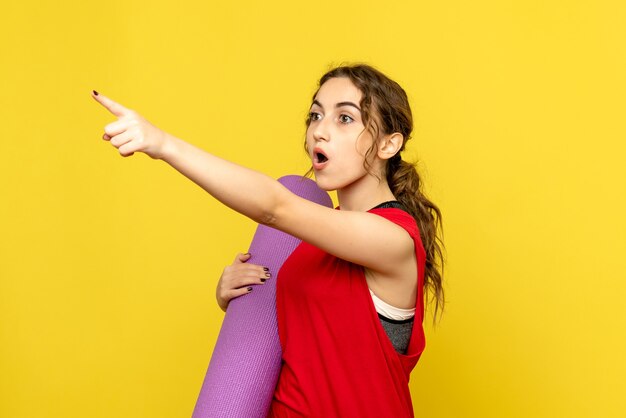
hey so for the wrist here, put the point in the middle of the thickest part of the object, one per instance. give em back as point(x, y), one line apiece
point(169, 147)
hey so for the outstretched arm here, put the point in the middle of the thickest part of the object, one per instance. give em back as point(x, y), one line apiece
point(359, 237)
point(246, 191)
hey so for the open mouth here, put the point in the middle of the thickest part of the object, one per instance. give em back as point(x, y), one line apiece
point(321, 158)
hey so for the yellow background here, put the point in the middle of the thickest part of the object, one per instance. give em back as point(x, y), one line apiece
point(108, 265)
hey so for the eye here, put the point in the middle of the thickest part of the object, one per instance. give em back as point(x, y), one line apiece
point(345, 119)
point(313, 116)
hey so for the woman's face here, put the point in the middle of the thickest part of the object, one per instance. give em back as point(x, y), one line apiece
point(336, 138)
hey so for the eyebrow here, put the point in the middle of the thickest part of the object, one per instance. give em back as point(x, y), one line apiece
point(340, 104)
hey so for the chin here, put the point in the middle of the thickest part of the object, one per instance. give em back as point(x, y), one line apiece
point(325, 185)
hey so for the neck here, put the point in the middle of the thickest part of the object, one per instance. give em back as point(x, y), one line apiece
point(364, 194)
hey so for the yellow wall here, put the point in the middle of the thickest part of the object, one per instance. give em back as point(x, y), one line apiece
point(108, 265)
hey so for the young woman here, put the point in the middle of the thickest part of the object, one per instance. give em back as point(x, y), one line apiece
point(350, 299)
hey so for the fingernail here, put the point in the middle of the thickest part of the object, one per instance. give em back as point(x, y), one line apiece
point(268, 275)
point(263, 280)
point(266, 269)
point(95, 92)
point(250, 289)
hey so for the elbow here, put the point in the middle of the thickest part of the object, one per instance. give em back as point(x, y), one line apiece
point(272, 212)
point(267, 219)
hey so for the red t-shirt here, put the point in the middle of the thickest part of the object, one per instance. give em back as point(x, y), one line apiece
point(337, 359)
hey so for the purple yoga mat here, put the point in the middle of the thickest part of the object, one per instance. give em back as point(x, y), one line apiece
point(243, 371)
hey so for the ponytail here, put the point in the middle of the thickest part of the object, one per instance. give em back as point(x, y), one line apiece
point(406, 186)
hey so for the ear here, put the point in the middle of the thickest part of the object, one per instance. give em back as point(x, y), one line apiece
point(390, 145)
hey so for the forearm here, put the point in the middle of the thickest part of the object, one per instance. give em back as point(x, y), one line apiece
point(248, 192)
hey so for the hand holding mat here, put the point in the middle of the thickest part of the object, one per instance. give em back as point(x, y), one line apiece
point(244, 368)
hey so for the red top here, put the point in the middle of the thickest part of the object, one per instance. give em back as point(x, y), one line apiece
point(337, 359)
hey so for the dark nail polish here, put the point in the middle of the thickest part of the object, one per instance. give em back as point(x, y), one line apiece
point(263, 280)
point(250, 289)
point(266, 269)
point(95, 92)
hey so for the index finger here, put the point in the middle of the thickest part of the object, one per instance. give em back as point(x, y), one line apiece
point(112, 106)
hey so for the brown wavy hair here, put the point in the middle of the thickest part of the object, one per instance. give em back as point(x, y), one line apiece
point(385, 110)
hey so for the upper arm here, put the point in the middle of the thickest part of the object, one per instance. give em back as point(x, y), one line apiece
point(362, 238)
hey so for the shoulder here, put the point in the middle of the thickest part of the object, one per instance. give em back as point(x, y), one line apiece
point(395, 212)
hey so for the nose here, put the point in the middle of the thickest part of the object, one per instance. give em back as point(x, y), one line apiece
point(320, 131)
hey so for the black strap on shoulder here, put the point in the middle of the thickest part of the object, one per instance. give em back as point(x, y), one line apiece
point(390, 204)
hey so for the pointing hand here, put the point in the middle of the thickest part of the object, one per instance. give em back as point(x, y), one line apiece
point(131, 133)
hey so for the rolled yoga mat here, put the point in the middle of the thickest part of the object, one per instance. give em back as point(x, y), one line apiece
point(243, 370)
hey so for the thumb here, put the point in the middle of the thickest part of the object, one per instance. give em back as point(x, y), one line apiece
point(242, 258)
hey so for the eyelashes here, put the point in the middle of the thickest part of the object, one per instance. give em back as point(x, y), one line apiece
point(313, 116)
point(343, 118)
